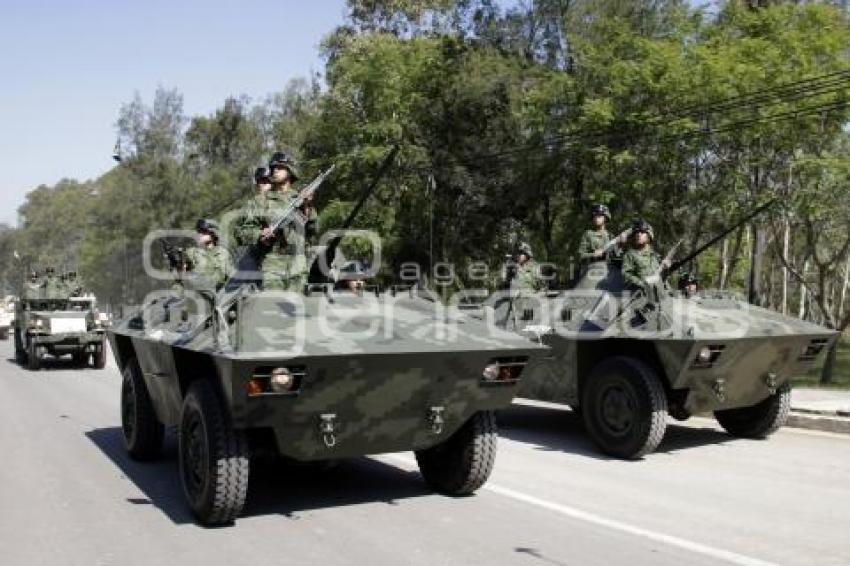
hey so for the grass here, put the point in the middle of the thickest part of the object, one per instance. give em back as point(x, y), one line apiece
point(841, 374)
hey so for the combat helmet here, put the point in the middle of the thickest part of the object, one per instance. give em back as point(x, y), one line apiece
point(641, 225)
point(600, 209)
point(686, 279)
point(524, 248)
point(283, 159)
point(207, 226)
point(261, 175)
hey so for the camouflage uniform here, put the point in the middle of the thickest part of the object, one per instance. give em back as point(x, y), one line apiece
point(640, 264)
point(591, 241)
point(211, 266)
point(284, 264)
point(34, 289)
point(54, 288)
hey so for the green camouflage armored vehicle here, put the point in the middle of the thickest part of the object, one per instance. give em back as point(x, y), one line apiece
point(625, 361)
point(56, 327)
point(316, 376)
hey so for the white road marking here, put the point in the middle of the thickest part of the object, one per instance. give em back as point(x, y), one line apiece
point(572, 512)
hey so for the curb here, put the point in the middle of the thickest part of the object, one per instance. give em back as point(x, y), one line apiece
point(822, 412)
point(814, 420)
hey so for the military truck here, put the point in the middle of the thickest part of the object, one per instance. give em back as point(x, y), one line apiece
point(313, 377)
point(57, 327)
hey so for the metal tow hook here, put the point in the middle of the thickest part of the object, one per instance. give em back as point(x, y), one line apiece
point(719, 389)
point(771, 382)
point(327, 428)
point(435, 419)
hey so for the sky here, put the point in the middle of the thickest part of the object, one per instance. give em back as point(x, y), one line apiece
point(67, 67)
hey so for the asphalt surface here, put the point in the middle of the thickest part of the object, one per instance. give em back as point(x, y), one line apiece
point(70, 495)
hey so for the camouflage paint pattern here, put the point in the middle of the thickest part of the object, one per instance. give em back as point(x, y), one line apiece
point(383, 366)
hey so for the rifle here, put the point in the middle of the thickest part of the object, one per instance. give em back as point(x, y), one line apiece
point(614, 241)
point(721, 235)
point(326, 256)
point(307, 192)
point(176, 256)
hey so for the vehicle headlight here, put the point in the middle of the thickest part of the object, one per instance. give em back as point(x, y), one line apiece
point(704, 355)
point(491, 372)
point(281, 380)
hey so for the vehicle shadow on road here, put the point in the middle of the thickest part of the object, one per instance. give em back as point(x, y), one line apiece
point(562, 430)
point(276, 487)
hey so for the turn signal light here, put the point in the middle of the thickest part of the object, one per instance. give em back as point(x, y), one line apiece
point(256, 386)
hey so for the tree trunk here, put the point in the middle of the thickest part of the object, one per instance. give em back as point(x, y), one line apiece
point(844, 288)
point(755, 285)
point(786, 238)
point(724, 264)
point(803, 292)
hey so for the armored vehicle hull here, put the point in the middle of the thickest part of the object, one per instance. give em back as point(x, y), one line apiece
point(316, 377)
point(625, 362)
point(58, 327)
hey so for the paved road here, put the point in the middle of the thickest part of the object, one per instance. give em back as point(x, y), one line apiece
point(69, 495)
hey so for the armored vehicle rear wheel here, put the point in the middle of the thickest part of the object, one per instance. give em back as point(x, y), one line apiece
point(4, 334)
point(214, 461)
point(463, 462)
point(143, 433)
point(33, 358)
point(624, 407)
point(760, 420)
point(99, 357)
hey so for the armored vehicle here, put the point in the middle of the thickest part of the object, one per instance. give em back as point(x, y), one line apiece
point(68, 325)
point(312, 376)
point(625, 361)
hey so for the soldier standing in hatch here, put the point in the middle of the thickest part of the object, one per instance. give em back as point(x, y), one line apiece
point(525, 281)
point(640, 262)
point(211, 264)
point(74, 287)
point(34, 288)
point(593, 241)
point(53, 287)
point(284, 263)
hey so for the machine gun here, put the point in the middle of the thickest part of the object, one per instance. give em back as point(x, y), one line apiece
point(758, 210)
point(326, 256)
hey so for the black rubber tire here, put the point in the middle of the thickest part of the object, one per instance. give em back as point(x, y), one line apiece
point(4, 334)
point(463, 462)
point(99, 357)
point(33, 359)
point(760, 420)
point(143, 433)
point(624, 407)
point(79, 359)
point(214, 458)
point(20, 352)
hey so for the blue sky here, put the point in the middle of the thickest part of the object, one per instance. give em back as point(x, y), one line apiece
point(67, 67)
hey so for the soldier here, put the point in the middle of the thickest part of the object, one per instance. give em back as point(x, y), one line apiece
point(524, 282)
point(350, 275)
point(53, 286)
point(284, 262)
point(592, 246)
point(74, 286)
point(688, 285)
point(640, 262)
point(34, 288)
point(210, 263)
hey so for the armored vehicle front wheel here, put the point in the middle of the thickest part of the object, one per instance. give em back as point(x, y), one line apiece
point(624, 407)
point(214, 461)
point(4, 334)
point(143, 433)
point(33, 358)
point(20, 352)
point(463, 462)
point(759, 420)
point(79, 358)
